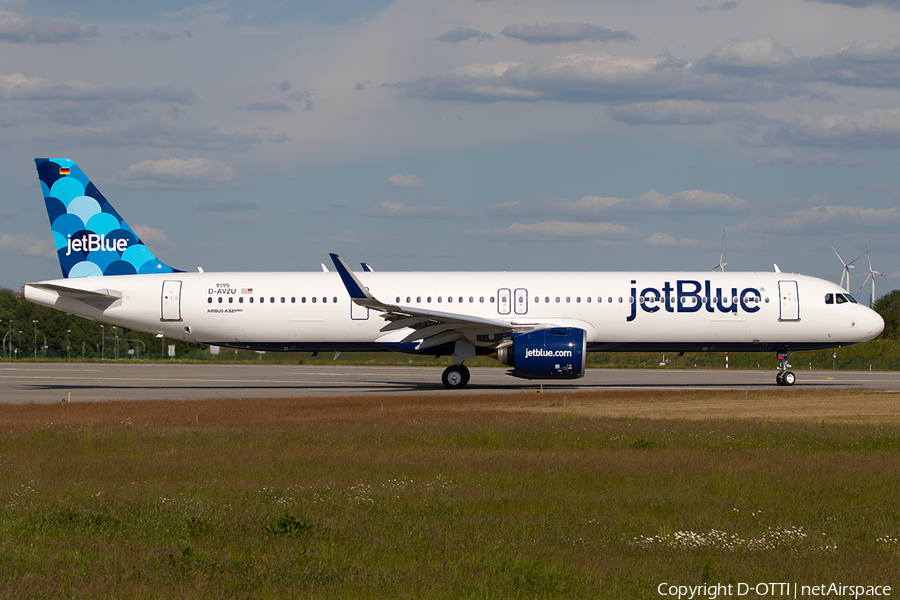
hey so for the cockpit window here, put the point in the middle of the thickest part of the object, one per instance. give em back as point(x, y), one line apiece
point(840, 298)
point(851, 298)
point(829, 298)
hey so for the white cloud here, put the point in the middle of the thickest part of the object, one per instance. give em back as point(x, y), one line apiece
point(652, 202)
point(759, 54)
point(660, 239)
point(877, 127)
point(675, 112)
point(597, 77)
point(20, 87)
point(778, 156)
point(14, 28)
point(824, 219)
point(461, 34)
point(557, 231)
point(176, 173)
point(560, 33)
point(407, 182)
point(26, 244)
point(403, 211)
point(150, 235)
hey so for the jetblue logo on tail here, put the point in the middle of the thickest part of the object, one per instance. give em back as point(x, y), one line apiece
point(91, 238)
point(93, 242)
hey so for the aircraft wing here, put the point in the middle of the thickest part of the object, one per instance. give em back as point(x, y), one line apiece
point(432, 327)
point(104, 295)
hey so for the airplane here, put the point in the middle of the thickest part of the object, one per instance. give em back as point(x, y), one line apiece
point(540, 324)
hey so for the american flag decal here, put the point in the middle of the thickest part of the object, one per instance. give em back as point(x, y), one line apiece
point(246, 290)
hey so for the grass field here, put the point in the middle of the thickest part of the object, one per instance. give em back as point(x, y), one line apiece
point(527, 495)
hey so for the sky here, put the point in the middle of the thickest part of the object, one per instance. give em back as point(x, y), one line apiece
point(583, 135)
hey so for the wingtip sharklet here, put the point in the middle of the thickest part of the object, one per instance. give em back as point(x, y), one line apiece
point(354, 286)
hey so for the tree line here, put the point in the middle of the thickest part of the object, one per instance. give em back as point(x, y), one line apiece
point(29, 330)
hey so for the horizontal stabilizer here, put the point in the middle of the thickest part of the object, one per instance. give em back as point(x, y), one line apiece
point(78, 294)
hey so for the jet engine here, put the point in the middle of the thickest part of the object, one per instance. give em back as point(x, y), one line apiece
point(552, 353)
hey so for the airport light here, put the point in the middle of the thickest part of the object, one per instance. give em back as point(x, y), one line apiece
point(35, 337)
point(103, 341)
point(68, 346)
point(140, 342)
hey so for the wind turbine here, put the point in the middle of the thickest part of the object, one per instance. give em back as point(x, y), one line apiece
point(871, 275)
point(721, 264)
point(845, 274)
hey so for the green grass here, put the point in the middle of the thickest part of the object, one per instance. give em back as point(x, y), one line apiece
point(444, 504)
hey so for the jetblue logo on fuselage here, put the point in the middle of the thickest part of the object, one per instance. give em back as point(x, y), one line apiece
point(690, 296)
point(93, 242)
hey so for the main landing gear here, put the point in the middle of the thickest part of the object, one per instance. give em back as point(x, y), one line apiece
point(455, 377)
point(784, 377)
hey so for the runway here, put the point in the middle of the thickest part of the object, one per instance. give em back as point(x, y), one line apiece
point(53, 382)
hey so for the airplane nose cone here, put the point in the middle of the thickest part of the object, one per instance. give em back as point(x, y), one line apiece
point(874, 324)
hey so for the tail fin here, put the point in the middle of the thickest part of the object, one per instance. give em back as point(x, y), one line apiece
point(91, 238)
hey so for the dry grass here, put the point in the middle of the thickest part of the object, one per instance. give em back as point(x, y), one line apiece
point(522, 495)
point(854, 406)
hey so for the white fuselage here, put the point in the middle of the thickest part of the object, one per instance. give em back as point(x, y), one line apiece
point(668, 311)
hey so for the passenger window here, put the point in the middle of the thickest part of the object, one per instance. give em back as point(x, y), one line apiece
point(314, 299)
point(262, 300)
point(209, 299)
point(230, 299)
point(302, 299)
point(241, 300)
point(419, 299)
point(408, 300)
point(293, 300)
point(251, 299)
point(334, 299)
point(324, 299)
point(272, 299)
point(282, 299)
point(829, 298)
point(537, 299)
point(220, 299)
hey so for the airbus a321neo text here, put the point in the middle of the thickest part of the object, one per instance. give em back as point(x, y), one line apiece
point(540, 324)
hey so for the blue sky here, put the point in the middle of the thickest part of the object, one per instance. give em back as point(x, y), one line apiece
point(462, 134)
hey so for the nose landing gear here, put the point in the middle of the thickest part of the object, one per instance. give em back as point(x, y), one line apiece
point(784, 377)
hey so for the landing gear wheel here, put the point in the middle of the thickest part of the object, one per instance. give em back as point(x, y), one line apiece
point(788, 378)
point(455, 377)
point(779, 378)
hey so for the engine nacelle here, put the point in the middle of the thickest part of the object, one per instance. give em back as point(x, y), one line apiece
point(552, 353)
